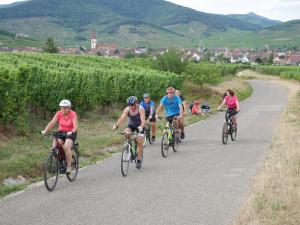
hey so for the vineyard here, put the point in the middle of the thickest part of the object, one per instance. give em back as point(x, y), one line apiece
point(35, 83)
point(284, 72)
point(38, 82)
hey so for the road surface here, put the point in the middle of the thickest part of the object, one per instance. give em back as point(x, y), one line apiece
point(205, 183)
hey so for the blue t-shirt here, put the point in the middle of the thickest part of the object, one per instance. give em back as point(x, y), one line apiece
point(172, 106)
point(147, 106)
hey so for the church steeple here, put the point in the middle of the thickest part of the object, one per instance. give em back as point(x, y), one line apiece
point(93, 40)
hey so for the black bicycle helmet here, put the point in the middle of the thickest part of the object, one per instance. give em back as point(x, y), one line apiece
point(132, 100)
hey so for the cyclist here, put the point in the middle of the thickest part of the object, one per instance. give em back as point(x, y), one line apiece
point(185, 108)
point(136, 122)
point(231, 101)
point(148, 105)
point(67, 124)
point(172, 104)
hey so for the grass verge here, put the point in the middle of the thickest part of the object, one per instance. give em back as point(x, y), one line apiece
point(25, 155)
point(274, 198)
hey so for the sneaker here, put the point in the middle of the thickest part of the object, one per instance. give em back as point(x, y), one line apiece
point(138, 164)
point(68, 171)
point(153, 138)
point(182, 135)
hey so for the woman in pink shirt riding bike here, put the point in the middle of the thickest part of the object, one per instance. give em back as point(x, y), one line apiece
point(232, 102)
point(67, 126)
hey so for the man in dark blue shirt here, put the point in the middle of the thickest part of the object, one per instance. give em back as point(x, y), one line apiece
point(148, 105)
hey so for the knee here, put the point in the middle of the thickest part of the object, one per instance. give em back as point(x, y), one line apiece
point(140, 140)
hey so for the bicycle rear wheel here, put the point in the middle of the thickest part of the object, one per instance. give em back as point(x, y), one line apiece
point(165, 144)
point(51, 171)
point(225, 132)
point(149, 135)
point(125, 160)
point(233, 134)
point(75, 167)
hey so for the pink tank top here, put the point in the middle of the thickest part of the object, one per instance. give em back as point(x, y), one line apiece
point(231, 102)
point(65, 123)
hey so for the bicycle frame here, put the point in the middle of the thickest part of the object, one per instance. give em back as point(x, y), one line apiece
point(170, 129)
point(131, 143)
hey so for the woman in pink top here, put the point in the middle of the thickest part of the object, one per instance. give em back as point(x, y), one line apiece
point(67, 124)
point(232, 102)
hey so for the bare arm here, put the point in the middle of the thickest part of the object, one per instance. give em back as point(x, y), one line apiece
point(123, 117)
point(75, 124)
point(51, 124)
point(181, 110)
point(159, 109)
point(185, 105)
point(222, 104)
point(237, 105)
point(143, 117)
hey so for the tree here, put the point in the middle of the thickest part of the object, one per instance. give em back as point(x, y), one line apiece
point(171, 61)
point(202, 73)
point(271, 58)
point(258, 60)
point(50, 46)
point(206, 56)
point(129, 55)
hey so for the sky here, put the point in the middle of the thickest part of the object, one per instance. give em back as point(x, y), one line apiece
point(283, 10)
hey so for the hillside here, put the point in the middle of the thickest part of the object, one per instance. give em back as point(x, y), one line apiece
point(256, 19)
point(132, 23)
point(8, 39)
point(284, 34)
point(127, 22)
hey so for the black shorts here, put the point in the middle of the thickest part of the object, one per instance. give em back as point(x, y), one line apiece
point(231, 112)
point(170, 118)
point(63, 136)
point(134, 128)
point(153, 119)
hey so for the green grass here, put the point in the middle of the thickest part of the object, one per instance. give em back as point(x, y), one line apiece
point(6, 190)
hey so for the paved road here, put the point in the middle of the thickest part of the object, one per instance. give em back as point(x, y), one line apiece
point(203, 184)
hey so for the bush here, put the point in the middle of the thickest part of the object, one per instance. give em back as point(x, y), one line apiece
point(171, 61)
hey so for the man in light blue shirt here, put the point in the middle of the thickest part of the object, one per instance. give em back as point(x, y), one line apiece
point(172, 105)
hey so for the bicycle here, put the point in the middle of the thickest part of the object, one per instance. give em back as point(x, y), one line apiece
point(129, 152)
point(228, 129)
point(171, 137)
point(148, 133)
point(56, 163)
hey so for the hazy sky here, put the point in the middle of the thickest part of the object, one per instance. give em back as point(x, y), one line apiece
point(275, 9)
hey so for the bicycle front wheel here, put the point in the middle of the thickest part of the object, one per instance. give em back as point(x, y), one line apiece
point(233, 134)
point(51, 171)
point(225, 132)
point(177, 141)
point(165, 144)
point(125, 160)
point(75, 167)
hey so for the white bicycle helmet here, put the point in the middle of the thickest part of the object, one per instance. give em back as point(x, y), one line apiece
point(65, 103)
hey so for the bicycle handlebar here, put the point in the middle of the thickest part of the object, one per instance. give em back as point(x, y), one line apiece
point(55, 134)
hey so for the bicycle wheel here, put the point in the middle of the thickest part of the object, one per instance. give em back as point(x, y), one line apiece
point(51, 171)
point(75, 167)
point(233, 134)
point(149, 134)
point(225, 132)
point(165, 144)
point(176, 141)
point(145, 138)
point(125, 160)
